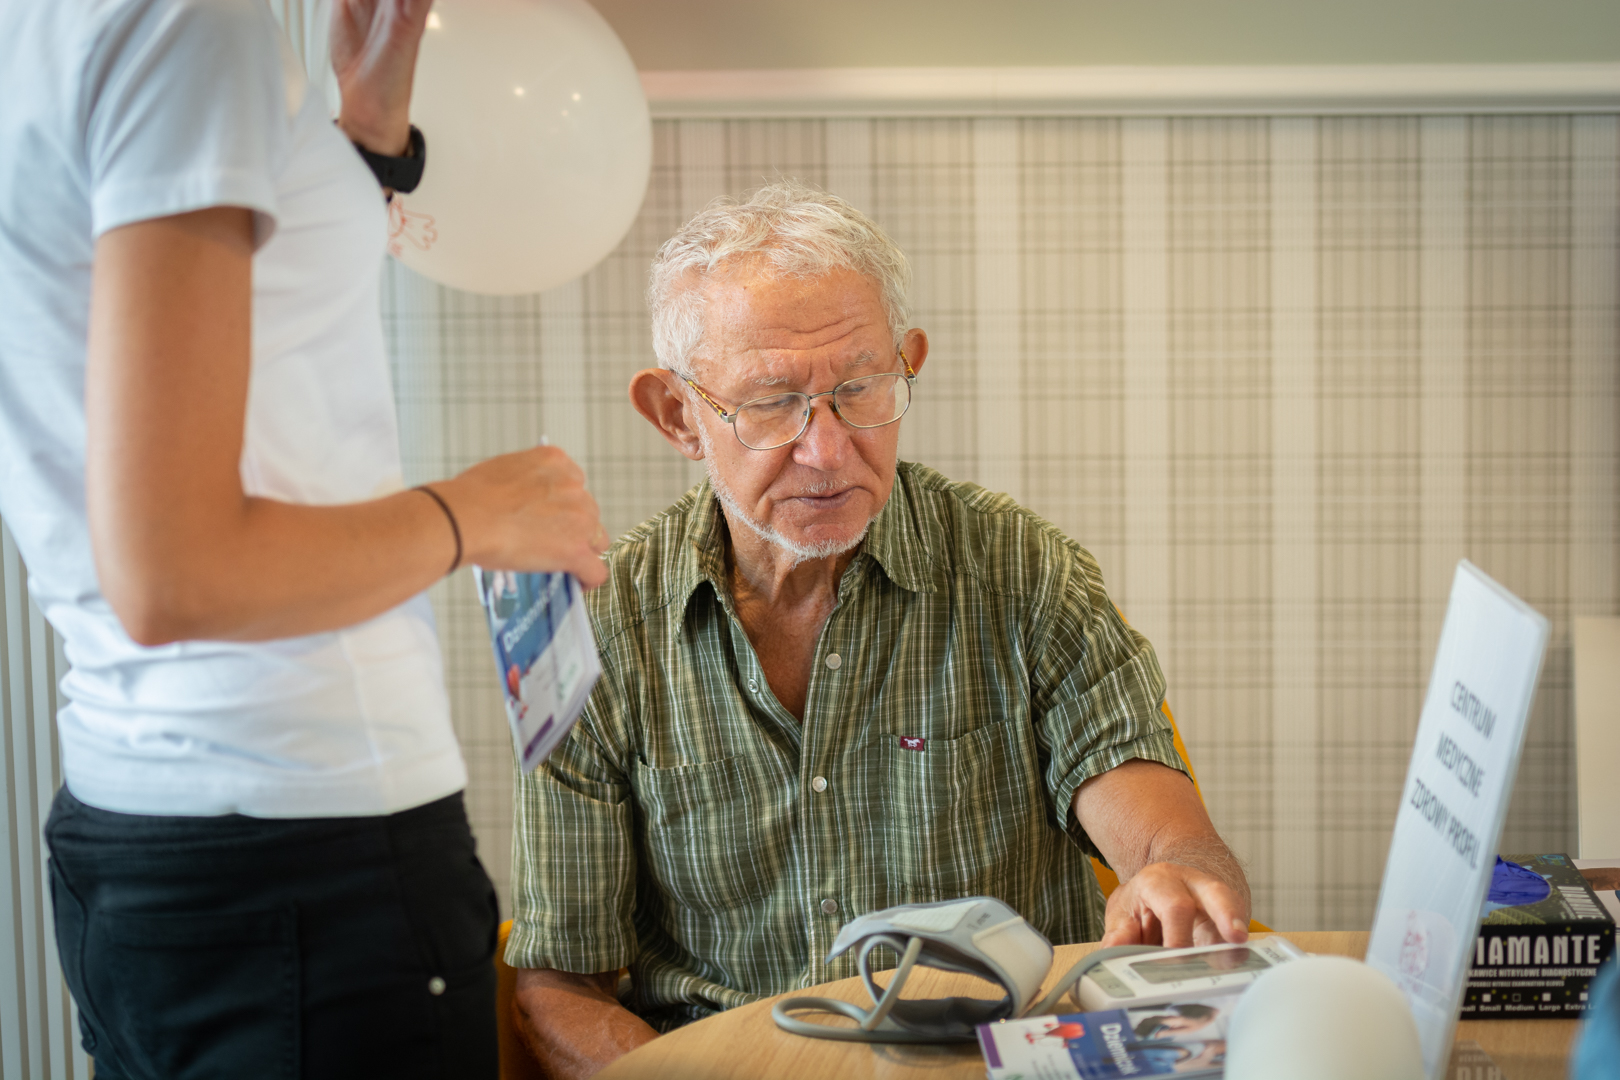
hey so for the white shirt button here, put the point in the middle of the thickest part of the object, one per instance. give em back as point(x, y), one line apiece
point(819, 784)
point(829, 907)
point(435, 986)
point(753, 686)
point(834, 661)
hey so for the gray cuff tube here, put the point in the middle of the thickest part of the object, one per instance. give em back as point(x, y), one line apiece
point(941, 1020)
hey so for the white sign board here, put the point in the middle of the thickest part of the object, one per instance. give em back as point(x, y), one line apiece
point(1455, 800)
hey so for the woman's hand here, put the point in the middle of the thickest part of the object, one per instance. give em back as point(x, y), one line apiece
point(374, 45)
point(529, 511)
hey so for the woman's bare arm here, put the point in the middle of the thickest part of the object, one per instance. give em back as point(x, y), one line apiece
point(181, 550)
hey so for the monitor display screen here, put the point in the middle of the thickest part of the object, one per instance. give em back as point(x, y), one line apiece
point(1170, 969)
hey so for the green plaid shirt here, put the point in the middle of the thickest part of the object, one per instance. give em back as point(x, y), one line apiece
point(973, 673)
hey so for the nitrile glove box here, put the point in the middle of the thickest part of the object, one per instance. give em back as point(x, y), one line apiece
point(1542, 935)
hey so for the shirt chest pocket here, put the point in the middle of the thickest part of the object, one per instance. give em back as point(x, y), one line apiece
point(715, 835)
point(966, 811)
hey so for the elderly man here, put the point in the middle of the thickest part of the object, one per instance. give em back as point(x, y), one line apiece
point(831, 682)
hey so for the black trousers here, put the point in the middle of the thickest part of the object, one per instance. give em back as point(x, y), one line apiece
point(204, 947)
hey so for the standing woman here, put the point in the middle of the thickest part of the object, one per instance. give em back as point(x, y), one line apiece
point(260, 862)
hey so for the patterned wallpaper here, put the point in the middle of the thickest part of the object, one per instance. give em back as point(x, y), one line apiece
point(1278, 375)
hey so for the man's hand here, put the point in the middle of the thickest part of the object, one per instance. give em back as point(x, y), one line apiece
point(1170, 904)
point(374, 45)
point(1179, 883)
point(573, 1024)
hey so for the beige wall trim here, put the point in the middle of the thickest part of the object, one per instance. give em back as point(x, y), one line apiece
point(1136, 91)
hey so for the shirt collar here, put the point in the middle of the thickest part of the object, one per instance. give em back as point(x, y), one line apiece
point(896, 541)
point(700, 555)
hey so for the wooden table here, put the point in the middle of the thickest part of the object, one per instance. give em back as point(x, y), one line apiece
point(745, 1044)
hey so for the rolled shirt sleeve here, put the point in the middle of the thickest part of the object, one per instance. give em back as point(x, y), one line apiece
point(1096, 689)
point(573, 850)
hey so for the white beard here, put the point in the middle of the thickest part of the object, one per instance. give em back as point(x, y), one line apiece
point(801, 553)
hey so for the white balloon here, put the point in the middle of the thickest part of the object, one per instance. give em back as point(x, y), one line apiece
point(539, 146)
point(1323, 1018)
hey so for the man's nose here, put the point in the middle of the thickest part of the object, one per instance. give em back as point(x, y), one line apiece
point(825, 444)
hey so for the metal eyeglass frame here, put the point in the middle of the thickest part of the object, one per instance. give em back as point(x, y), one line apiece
point(731, 417)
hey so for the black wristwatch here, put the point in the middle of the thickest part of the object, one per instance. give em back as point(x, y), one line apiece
point(403, 173)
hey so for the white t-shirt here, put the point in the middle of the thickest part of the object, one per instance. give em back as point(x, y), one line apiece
point(117, 111)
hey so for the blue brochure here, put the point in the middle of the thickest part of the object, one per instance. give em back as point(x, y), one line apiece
point(545, 653)
point(1178, 1038)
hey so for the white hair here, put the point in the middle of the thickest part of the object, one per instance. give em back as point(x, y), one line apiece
point(800, 230)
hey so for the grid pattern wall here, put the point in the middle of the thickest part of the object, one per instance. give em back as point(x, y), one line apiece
point(1277, 374)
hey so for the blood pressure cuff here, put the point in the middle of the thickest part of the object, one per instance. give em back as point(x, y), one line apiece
point(978, 936)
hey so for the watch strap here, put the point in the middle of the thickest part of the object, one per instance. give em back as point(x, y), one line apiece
point(400, 174)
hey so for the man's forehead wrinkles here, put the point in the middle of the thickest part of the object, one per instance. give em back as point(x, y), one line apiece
point(739, 337)
point(789, 337)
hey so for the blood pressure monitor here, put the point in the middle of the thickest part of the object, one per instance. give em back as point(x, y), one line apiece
point(1152, 978)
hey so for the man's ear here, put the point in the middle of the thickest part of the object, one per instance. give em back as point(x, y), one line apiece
point(657, 394)
point(916, 348)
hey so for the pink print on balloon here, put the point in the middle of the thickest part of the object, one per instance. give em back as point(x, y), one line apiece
point(408, 226)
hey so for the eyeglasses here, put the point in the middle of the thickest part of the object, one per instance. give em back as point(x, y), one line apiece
point(766, 423)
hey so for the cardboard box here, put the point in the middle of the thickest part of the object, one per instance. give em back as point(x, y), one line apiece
point(1538, 958)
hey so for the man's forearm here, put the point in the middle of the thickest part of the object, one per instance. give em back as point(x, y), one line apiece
point(573, 1024)
point(1180, 883)
point(1142, 812)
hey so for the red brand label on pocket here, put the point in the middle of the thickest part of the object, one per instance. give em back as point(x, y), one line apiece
point(912, 742)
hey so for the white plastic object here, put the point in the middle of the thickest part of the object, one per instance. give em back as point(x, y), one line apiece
point(1323, 1018)
point(539, 146)
point(1134, 981)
